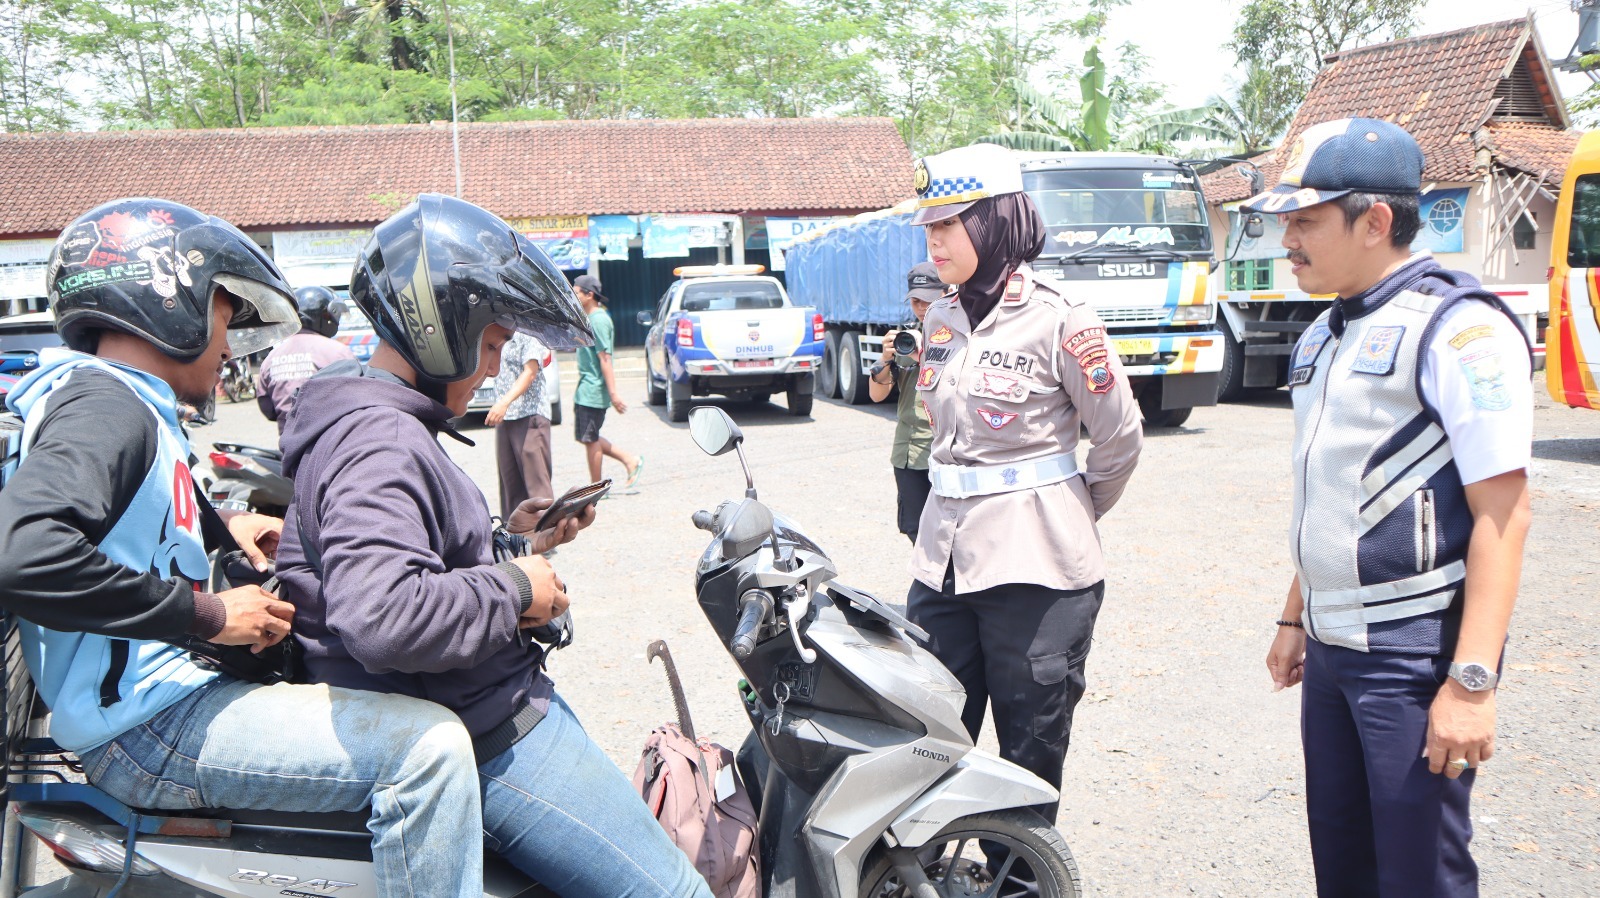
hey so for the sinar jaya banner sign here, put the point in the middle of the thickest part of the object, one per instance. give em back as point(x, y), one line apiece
point(564, 238)
point(22, 268)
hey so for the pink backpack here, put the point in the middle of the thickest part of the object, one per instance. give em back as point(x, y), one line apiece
point(693, 789)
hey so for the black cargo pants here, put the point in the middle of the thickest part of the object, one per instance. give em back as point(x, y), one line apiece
point(1020, 648)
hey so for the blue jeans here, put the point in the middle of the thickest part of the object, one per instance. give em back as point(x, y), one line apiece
point(1381, 824)
point(316, 748)
point(557, 808)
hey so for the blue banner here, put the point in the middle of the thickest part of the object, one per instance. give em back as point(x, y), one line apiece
point(664, 239)
point(1444, 221)
point(609, 235)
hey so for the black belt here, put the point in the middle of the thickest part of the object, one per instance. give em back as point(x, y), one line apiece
point(507, 732)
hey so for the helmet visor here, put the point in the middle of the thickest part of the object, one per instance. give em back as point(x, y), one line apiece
point(265, 316)
point(546, 308)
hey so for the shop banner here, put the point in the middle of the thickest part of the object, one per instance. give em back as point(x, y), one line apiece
point(665, 239)
point(1444, 221)
point(564, 238)
point(609, 236)
point(22, 268)
point(298, 247)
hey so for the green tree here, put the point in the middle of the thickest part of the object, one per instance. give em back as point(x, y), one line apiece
point(1258, 110)
point(34, 68)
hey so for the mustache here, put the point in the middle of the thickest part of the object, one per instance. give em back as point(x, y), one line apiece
point(1299, 258)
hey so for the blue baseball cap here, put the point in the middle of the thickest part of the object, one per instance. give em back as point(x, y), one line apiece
point(1349, 155)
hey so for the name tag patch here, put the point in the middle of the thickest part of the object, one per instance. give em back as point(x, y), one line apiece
point(995, 420)
point(936, 354)
point(998, 386)
point(1019, 362)
point(1379, 346)
point(1300, 376)
point(1486, 377)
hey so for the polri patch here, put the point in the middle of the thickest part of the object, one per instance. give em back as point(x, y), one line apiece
point(995, 420)
point(1099, 375)
point(1379, 346)
point(1476, 332)
point(941, 336)
point(998, 386)
point(1486, 378)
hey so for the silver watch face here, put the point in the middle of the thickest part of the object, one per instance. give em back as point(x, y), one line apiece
point(1473, 676)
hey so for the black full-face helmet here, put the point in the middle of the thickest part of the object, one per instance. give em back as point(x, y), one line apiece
point(438, 272)
point(150, 267)
point(320, 309)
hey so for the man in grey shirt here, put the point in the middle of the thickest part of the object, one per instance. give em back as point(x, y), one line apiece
point(521, 421)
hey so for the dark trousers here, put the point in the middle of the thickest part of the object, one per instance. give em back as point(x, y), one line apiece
point(1382, 826)
point(912, 487)
point(522, 451)
point(1020, 648)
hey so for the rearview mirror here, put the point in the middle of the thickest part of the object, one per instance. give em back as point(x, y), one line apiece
point(646, 319)
point(1253, 227)
point(713, 431)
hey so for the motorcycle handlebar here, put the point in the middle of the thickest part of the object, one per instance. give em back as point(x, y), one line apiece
point(706, 521)
point(754, 608)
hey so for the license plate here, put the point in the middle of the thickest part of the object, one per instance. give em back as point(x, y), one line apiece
point(753, 363)
point(1135, 347)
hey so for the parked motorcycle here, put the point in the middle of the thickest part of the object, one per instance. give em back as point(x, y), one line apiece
point(249, 478)
point(865, 780)
point(237, 381)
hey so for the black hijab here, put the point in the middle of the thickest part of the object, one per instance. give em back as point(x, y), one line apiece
point(1007, 231)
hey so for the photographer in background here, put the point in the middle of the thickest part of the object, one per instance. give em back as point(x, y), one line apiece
point(913, 434)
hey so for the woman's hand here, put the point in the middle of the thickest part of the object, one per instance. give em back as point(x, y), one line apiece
point(257, 536)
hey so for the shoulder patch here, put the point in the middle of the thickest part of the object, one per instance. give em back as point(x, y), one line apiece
point(1475, 332)
point(1486, 379)
point(1085, 341)
point(941, 336)
point(1014, 288)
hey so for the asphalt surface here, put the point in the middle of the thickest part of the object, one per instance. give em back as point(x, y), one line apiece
point(1185, 772)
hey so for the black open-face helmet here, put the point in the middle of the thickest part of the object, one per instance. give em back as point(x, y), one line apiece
point(150, 267)
point(438, 272)
point(320, 309)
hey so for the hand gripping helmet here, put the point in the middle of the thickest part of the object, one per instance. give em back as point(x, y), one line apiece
point(149, 267)
point(438, 272)
point(320, 309)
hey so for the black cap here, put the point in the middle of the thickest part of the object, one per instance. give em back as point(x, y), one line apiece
point(922, 282)
point(588, 283)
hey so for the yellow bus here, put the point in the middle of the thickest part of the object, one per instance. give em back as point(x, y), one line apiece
point(1572, 344)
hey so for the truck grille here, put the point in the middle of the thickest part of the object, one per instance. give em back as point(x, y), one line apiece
point(1146, 317)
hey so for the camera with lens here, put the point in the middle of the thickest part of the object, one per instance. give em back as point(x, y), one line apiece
point(907, 344)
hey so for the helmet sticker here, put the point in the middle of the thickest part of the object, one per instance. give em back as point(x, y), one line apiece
point(167, 269)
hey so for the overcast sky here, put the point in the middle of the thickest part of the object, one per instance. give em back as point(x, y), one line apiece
point(1182, 37)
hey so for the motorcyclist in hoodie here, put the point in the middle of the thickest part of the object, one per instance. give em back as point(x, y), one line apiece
point(387, 553)
point(103, 549)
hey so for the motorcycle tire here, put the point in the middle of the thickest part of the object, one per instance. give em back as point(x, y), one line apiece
point(1037, 861)
point(230, 388)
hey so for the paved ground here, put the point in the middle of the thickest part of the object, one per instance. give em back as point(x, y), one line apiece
point(1184, 776)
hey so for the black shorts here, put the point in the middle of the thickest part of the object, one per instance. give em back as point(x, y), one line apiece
point(586, 423)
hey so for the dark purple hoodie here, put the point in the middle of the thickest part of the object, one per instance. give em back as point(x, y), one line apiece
point(410, 600)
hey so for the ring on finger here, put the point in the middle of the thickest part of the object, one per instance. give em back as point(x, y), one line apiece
point(1462, 765)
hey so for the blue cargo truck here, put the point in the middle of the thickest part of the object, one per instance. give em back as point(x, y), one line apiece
point(1127, 231)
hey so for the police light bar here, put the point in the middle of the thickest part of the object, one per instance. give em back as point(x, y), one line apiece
point(700, 271)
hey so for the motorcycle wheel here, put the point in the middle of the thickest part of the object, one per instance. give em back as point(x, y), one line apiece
point(230, 387)
point(1036, 861)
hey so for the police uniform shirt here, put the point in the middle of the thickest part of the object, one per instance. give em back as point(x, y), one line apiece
point(1016, 389)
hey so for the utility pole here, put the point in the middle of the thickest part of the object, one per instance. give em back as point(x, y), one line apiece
point(455, 113)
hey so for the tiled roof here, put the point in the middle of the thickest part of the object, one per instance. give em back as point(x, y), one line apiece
point(262, 177)
point(1439, 87)
point(1538, 150)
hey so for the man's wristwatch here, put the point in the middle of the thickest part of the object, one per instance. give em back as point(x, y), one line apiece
point(1473, 677)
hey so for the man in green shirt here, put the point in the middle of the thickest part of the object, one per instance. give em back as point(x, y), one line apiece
point(913, 432)
point(597, 385)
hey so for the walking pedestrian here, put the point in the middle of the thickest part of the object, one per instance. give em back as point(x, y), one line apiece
point(1413, 432)
point(597, 386)
point(1008, 569)
point(913, 434)
point(521, 421)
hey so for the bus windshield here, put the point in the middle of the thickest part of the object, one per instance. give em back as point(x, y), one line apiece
point(1158, 208)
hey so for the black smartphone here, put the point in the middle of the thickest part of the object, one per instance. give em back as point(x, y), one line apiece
point(573, 503)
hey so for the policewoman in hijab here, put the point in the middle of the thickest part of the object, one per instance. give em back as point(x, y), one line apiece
point(1008, 570)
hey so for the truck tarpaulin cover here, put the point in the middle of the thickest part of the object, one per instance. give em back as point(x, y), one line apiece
point(857, 272)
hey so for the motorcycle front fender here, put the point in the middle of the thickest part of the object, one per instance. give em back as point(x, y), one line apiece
point(979, 783)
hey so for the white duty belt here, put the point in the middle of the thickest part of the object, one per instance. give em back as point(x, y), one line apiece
point(964, 481)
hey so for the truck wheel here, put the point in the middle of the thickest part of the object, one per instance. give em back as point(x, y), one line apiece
point(1230, 383)
point(828, 375)
point(852, 385)
point(677, 402)
point(1154, 414)
point(800, 396)
point(555, 412)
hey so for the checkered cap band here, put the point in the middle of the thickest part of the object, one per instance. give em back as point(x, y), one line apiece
point(951, 187)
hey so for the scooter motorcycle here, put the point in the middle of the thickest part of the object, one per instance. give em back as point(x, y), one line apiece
point(237, 381)
point(249, 478)
point(864, 778)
